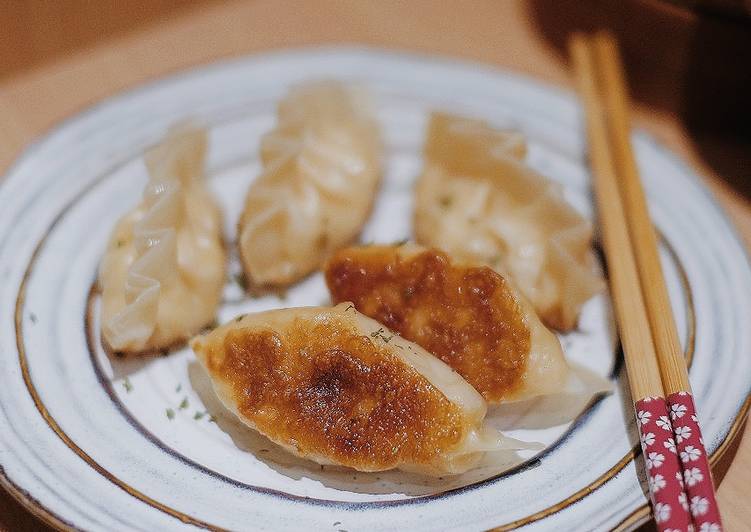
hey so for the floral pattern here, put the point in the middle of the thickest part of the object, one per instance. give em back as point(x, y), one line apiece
point(662, 512)
point(690, 454)
point(683, 499)
point(656, 483)
point(670, 445)
point(664, 423)
point(677, 411)
point(692, 476)
point(699, 506)
point(682, 433)
point(664, 475)
point(696, 473)
point(655, 460)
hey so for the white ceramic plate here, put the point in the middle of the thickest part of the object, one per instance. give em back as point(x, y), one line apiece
point(83, 449)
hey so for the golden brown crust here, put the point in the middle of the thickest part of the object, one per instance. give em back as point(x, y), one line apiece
point(325, 389)
point(469, 317)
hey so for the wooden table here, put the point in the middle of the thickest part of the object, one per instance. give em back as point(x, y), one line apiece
point(685, 71)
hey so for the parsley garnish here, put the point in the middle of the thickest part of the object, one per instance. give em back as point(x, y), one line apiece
point(183, 404)
point(179, 387)
point(127, 385)
point(381, 333)
point(199, 415)
point(170, 414)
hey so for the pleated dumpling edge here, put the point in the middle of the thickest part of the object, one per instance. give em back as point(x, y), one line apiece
point(163, 270)
point(321, 169)
point(477, 200)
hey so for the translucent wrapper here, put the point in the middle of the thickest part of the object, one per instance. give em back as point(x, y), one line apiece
point(336, 387)
point(321, 169)
point(163, 271)
point(477, 200)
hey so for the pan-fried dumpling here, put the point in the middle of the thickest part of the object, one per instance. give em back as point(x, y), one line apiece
point(163, 270)
point(321, 170)
point(336, 387)
point(467, 315)
point(477, 200)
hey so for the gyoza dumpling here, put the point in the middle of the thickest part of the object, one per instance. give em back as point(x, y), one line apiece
point(467, 315)
point(478, 201)
point(163, 270)
point(336, 387)
point(321, 170)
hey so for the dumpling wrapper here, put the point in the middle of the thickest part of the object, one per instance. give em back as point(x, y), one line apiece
point(477, 200)
point(336, 387)
point(163, 270)
point(467, 315)
point(321, 168)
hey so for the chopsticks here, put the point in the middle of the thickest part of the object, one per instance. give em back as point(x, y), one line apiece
point(680, 481)
point(673, 369)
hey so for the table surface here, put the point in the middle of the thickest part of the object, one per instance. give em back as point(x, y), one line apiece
point(57, 58)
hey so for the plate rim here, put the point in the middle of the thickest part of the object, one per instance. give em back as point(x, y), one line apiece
point(29, 502)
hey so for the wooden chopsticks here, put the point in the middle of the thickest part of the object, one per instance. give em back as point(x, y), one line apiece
point(679, 476)
point(644, 241)
point(641, 362)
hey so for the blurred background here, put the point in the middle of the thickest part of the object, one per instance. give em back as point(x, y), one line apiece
point(686, 59)
point(688, 64)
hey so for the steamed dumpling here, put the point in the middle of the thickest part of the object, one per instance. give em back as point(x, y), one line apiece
point(163, 270)
point(467, 315)
point(336, 387)
point(321, 170)
point(477, 200)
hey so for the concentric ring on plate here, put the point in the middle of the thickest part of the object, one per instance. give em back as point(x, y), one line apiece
point(92, 340)
point(31, 378)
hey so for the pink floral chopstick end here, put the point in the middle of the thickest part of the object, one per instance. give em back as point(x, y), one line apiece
point(696, 472)
point(666, 484)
